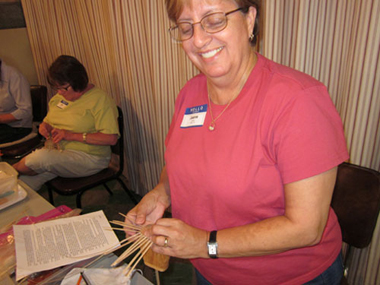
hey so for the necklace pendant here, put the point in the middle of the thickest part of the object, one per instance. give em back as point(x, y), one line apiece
point(211, 127)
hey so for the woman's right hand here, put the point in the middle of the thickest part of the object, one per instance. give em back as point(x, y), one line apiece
point(44, 129)
point(149, 209)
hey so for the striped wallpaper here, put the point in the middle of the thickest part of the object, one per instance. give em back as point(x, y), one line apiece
point(127, 51)
point(337, 42)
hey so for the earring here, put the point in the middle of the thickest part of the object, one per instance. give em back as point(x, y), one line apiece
point(251, 37)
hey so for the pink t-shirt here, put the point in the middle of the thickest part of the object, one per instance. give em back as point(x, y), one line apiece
point(283, 127)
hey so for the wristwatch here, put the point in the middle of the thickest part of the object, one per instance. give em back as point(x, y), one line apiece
point(212, 246)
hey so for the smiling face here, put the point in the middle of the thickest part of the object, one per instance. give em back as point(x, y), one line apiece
point(225, 54)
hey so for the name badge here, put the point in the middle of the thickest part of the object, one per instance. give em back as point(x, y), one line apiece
point(194, 116)
point(62, 104)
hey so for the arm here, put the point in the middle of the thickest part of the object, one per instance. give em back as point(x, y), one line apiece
point(106, 127)
point(307, 204)
point(93, 138)
point(19, 88)
point(7, 118)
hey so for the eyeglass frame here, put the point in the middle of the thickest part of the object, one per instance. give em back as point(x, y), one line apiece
point(61, 88)
point(200, 22)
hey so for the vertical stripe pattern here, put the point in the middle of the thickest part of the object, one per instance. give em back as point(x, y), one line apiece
point(127, 51)
point(337, 42)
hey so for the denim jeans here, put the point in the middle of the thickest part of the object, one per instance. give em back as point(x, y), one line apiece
point(331, 276)
point(200, 279)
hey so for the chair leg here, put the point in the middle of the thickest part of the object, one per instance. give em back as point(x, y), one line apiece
point(347, 261)
point(127, 190)
point(51, 199)
point(79, 198)
point(108, 189)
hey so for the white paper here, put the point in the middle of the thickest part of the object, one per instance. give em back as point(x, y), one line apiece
point(58, 242)
point(98, 276)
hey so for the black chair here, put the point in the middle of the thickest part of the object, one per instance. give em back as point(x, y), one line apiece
point(77, 186)
point(22, 147)
point(356, 202)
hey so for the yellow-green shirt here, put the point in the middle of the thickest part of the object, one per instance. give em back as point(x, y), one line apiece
point(93, 112)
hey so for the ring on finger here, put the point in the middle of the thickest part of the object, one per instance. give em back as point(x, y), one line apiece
point(166, 242)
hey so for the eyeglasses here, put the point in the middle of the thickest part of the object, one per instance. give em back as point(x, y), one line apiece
point(211, 23)
point(61, 88)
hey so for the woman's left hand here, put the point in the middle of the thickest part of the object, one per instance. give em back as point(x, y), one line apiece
point(175, 238)
point(58, 134)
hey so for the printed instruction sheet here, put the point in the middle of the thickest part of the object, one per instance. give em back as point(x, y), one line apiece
point(58, 242)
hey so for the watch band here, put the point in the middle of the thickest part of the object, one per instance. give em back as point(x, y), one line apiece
point(212, 245)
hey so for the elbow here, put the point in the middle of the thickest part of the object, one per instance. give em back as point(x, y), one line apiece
point(312, 237)
point(114, 140)
point(315, 239)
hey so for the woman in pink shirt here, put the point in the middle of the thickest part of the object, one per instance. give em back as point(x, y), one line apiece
point(251, 159)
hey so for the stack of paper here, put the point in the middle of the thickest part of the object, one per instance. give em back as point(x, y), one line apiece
point(55, 243)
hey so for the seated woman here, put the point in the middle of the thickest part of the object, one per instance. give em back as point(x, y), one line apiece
point(81, 123)
point(15, 105)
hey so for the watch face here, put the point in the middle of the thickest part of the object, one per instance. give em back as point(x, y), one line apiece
point(212, 245)
point(212, 249)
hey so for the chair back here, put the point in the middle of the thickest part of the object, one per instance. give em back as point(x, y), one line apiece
point(20, 148)
point(117, 159)
point(356, 202)
point(39, 102)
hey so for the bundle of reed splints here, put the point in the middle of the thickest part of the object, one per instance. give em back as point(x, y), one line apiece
point(141, 245)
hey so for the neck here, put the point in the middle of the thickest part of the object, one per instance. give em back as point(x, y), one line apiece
point(222, 92)
point(79, 94)
point(89, 86)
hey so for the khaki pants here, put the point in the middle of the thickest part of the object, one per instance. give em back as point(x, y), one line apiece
point(66, 163)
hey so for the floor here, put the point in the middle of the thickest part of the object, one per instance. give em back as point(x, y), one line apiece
point(180, 272)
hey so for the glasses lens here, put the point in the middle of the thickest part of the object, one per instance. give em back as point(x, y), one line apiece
point(214, 23)
point(56, 88)
point(182, 32)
